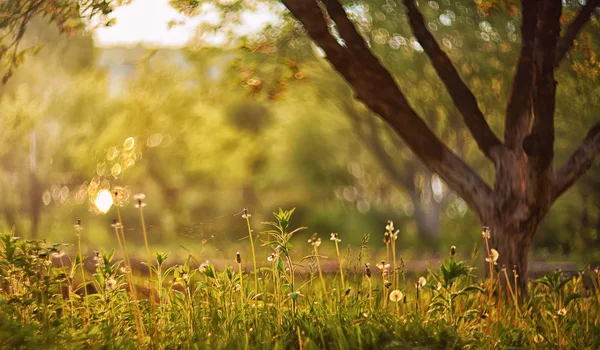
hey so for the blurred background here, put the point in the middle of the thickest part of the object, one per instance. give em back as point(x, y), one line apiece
point(251, 115)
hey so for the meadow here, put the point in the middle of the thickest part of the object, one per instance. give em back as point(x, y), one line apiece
point(280, 297)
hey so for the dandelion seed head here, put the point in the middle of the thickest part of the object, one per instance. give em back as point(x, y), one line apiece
point(245, 214)
point(485, 232)
point(493, 258)
point(116, 224)
point(314, 241)
point(396, 296)
point(335, 238)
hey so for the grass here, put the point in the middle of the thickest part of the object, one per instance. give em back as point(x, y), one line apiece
point(286, 302)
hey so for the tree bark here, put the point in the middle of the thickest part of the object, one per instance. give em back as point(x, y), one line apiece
point(512, 241)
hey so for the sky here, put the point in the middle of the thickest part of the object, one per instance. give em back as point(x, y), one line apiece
point(146, 21)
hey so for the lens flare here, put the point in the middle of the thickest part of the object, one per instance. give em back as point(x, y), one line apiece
point(128, 144)
point(103, 201)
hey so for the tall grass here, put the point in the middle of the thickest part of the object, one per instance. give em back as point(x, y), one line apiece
point(276, 305)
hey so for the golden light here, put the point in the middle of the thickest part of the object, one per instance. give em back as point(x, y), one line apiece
point(103, 201)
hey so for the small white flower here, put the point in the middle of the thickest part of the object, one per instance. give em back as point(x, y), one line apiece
point(485, 232)
point(422, 282)
point(335, 238)
point(245, 214)
point(390, 226)
point(396, 296)
point(382, 265)
point(315, 242)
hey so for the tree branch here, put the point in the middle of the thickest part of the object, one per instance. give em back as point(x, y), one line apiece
point(459, 92)
point(540, 144)
point(566, 42)
point(578, 163)
point(518, 112)
point(404, 179)
point(375, 86)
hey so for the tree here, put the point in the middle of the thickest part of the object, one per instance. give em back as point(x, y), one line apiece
point(526, 183)
point(68, 16)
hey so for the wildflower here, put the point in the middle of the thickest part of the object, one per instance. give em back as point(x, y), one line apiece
point(485, 232)
point(335, 238)
point(383, 266)
point(125, 269)
point(78, 226)
point(453, 250)
point(438, 286)
point(396, 296)
point(387, 283)
point(386, 237)
point(238, 258)
point(271, 257)
point(561, 312)
point(139, 198)
point(422, 282)
point(116, 224)
point(493, 256)
point(245, 214)
point(203, 266)
point(111, 283)
point(390, 226)
point(391, 234)
point(314, 241)
point(237, 287)
point(367, 270)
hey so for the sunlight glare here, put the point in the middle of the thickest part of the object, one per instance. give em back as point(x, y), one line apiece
point(103, 201)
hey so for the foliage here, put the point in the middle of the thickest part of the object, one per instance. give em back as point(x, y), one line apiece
point(68, 16)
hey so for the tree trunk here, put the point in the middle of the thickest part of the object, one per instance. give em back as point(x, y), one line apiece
point(511, 239)
point(427, 218)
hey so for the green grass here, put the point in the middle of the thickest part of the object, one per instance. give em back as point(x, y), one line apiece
point(285, 303)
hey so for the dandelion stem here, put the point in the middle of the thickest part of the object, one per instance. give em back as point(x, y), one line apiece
point(337, 250)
